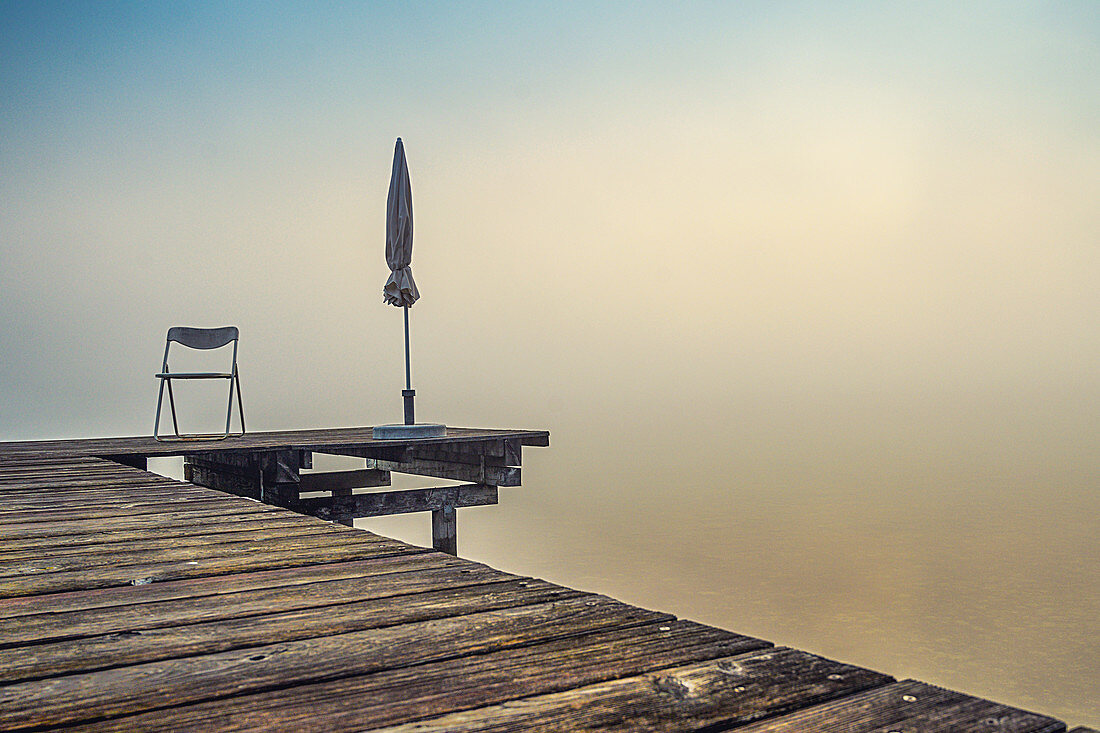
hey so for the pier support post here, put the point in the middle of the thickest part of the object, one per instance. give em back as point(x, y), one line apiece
point(445, 530)
point(281, 477)
point(344, 519)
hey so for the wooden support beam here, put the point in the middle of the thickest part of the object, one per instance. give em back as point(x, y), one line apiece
point(505, 453)
point(229, 483)
point(495, 475)
point(130, 460)
point(270, 476)
point(383, 503)
point(275, 477)
point(445, 530)
point(495, 452)
point(341, 480)
point(235, 477)
point(246, 460)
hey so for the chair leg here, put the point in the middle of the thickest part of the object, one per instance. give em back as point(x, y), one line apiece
point(172, 403)
point(156, 421)
point(229, 408)
point(240, 404)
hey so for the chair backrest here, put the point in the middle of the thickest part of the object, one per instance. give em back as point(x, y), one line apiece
point(203, 338)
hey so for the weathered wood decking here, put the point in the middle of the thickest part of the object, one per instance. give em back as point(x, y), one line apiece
point(129, 602)
point(269, 467)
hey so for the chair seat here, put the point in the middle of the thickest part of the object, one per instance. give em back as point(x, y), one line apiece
point(194, 375)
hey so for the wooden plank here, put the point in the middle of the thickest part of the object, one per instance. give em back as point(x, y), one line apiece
point(381, 503)
point(85, 622)
point(163, 545)
point(45, 470)
point(105, 498)
point(56, 481)
point(316, 542)
point(50, 470)
point(285, 577)
point(8, 460)
point(909, 706)
point(142, 687)
point(51, 506)
point(94, 466)
point(398, 695)
point(127, 511)
point(243, 512)
point(713, 695)
point(155, 572)
point(130, 647)
point(46, 485)
point(495, 475)
point(335, 480)
point(62, 484)
point(38, 479)
point(186, 533)
point(12, 463)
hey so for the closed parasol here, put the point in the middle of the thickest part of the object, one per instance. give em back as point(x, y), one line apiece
point(400, 288)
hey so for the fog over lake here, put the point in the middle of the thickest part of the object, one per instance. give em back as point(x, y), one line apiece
point(805, 294)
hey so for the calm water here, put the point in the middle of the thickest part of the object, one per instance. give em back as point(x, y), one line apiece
point(971, 563)
point(966, 554)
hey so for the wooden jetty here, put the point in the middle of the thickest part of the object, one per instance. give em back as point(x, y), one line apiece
point(268, 467)
point(130, 602)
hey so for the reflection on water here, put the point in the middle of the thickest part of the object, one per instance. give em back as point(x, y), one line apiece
point(976, 568)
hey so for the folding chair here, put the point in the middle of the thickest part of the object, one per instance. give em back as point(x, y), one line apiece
point(205, 339)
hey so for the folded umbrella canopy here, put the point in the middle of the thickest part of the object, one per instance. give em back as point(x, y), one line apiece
point(400, 289)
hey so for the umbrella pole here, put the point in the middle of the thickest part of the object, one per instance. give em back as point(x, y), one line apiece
point(408, 393)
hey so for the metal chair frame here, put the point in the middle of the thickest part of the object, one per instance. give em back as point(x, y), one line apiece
point(203, 339)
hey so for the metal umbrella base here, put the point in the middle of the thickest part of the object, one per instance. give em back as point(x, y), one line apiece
point(416, 430)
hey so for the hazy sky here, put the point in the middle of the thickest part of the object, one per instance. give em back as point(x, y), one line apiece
point(720, 199)
point(611, 199)
point(819, 251)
